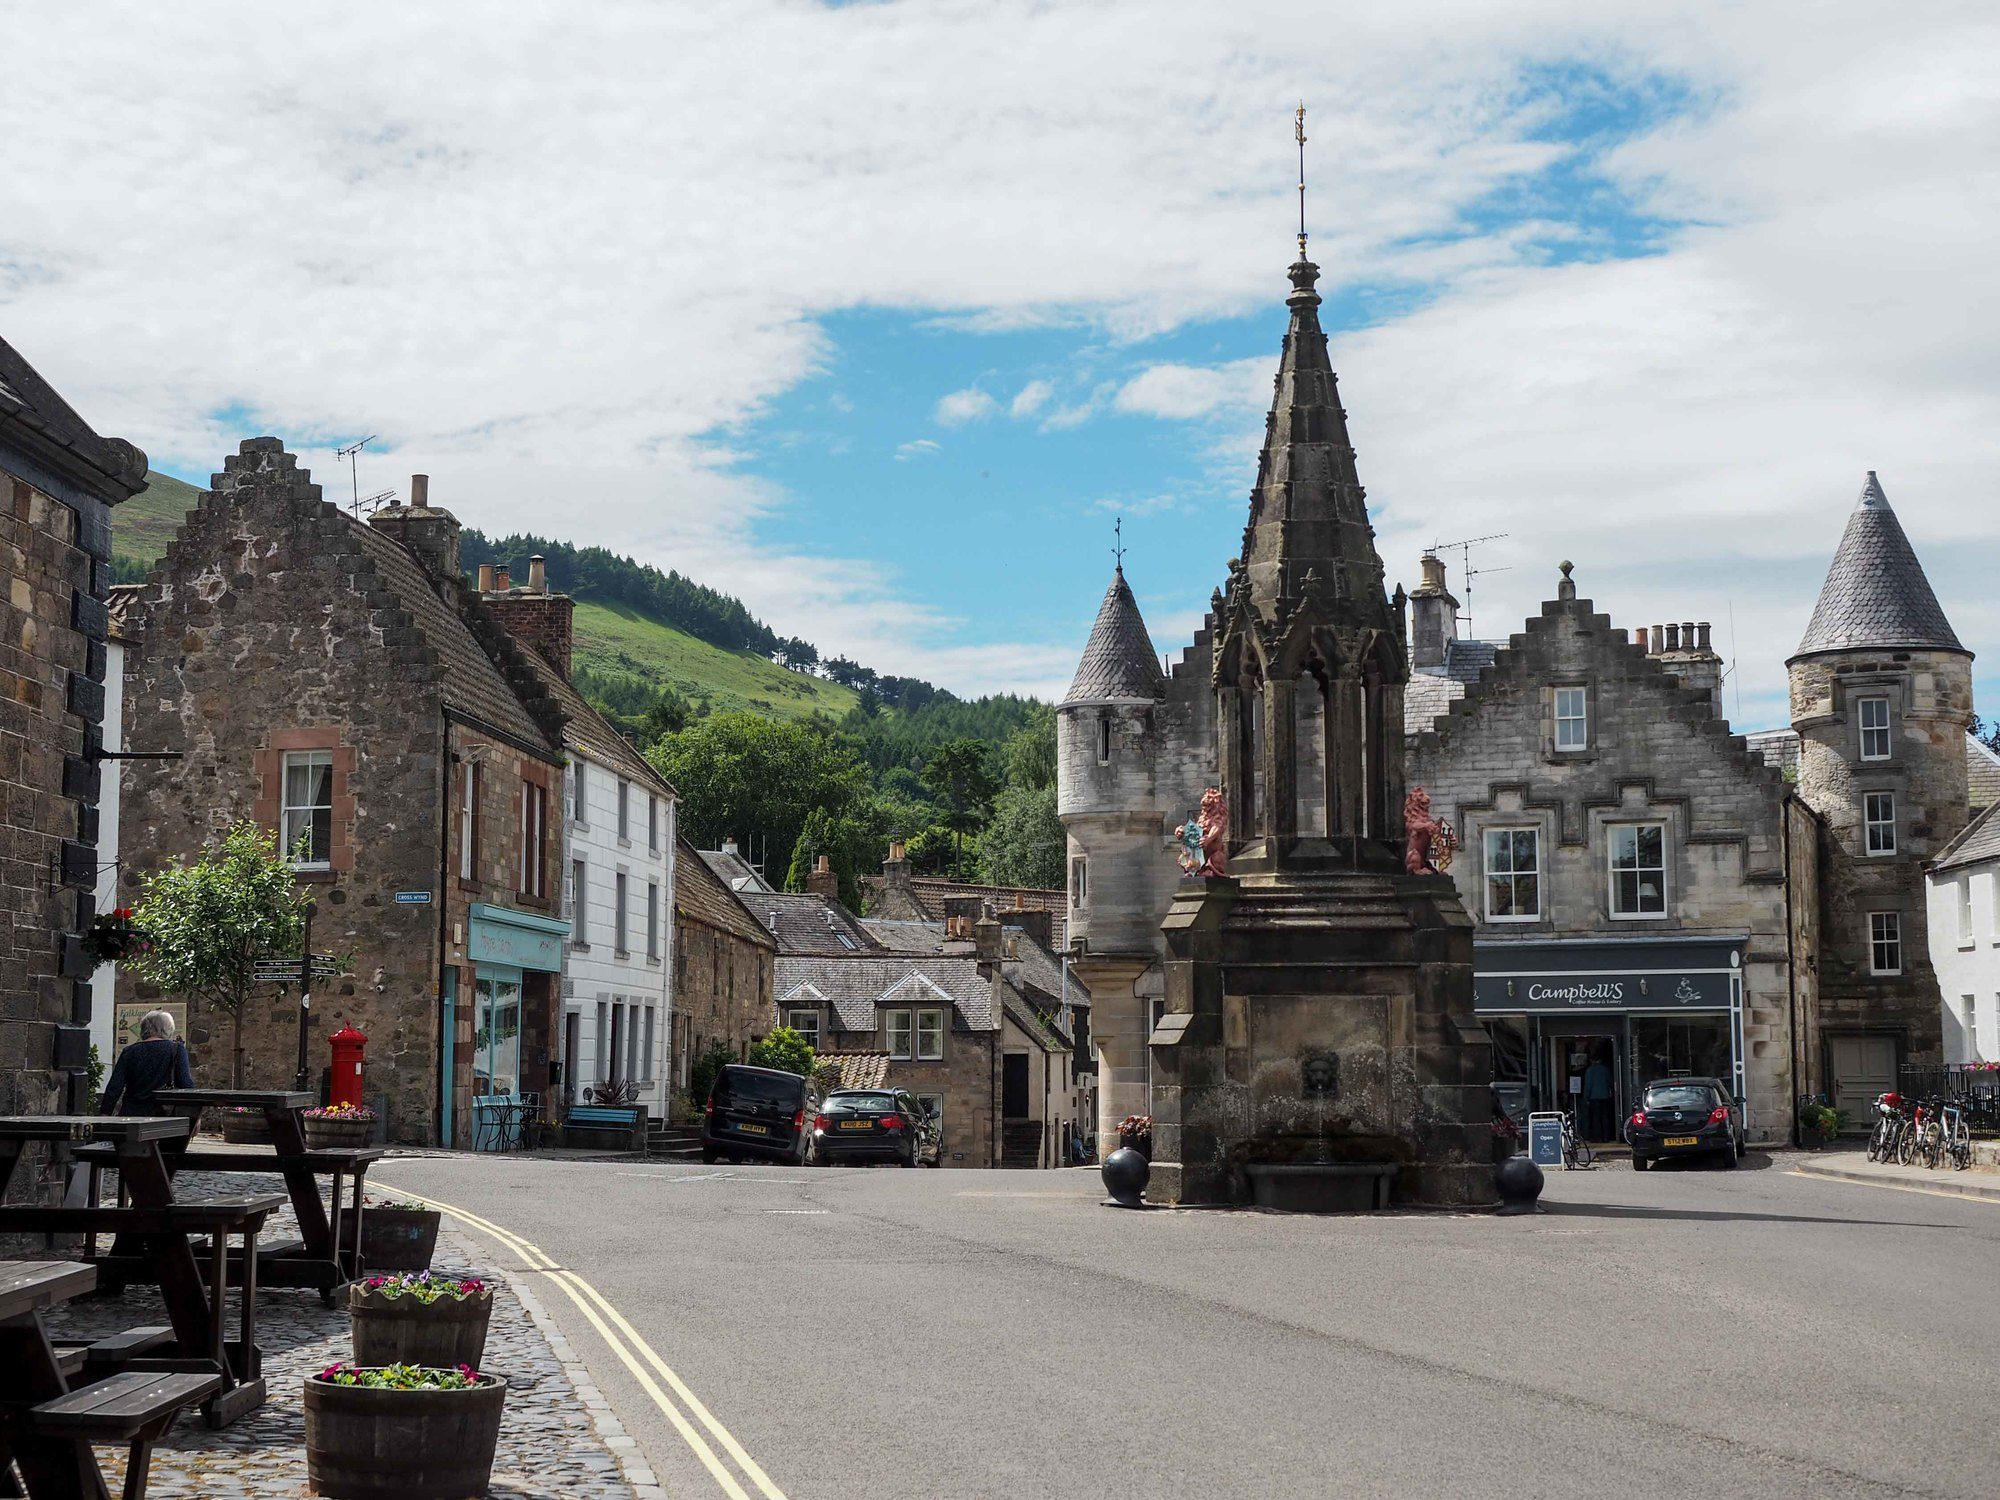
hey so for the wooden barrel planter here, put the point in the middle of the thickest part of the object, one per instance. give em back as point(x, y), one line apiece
point(327, 1131)
point(403, 1330)
point(365, 1444)
point(246, 1128)
point(399, 1239)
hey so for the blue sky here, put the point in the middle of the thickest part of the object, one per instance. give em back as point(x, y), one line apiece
point(876, 316)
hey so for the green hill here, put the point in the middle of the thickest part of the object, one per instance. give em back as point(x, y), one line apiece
point(623, 657)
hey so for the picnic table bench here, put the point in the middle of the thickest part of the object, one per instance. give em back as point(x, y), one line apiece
point(46, 1424)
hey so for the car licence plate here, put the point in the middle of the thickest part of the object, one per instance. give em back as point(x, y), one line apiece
point(1680, 1140)
point(857, 1124)
point(749, 1129)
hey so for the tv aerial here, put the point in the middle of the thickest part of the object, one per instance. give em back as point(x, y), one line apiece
point(1466, 571)
point(351, 456)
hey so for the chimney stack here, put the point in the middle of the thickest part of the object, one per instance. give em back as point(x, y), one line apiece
point(822, 881)
point(1684, 650)
point(1433, 615)
point(502, 581)
point(427, 533)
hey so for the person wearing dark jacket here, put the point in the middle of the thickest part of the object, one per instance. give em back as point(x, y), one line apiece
point(158, 1060)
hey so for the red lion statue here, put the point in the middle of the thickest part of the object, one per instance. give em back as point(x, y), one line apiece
point(1429, 842)
point(1204, 838)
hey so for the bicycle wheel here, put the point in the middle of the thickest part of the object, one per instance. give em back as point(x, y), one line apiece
point(1906, 1147)
point(1584, 1155)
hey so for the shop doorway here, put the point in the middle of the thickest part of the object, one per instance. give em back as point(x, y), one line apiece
point(1585, 1073)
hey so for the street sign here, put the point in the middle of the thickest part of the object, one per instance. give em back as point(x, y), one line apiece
point(288, 970)
point(1545, 1138)
point(413, 898)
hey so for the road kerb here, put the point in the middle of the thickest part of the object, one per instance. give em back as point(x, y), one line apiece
point(1953, 1185)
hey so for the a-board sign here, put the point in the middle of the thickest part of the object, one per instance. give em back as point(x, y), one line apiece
point(1545, 1138)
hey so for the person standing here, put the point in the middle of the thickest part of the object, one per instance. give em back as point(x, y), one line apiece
point(1597, 1101)
point(158, 1060)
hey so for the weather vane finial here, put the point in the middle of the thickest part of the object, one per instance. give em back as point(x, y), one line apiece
point(1299, 129)
point(1118, 542)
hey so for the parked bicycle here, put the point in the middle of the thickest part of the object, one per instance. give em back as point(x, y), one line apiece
point(1954, 1139)
point(1577, 1155)
point(1890, 1123)
point(1923, 1141)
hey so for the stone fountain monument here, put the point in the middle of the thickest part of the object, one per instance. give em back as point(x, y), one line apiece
point(1319, 1048)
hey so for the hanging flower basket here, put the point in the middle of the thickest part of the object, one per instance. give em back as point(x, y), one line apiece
point(339, 1125)
point(111, 938)
point(401, 1432)
point(419, 1319)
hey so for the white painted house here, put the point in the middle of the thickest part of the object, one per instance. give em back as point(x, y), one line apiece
point(1963, 895)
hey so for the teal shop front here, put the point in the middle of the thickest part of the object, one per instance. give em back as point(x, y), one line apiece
point(515, 959)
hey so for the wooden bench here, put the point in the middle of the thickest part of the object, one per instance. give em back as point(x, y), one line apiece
point(112, 1354)
point(625, 1124)
point(136, 1409)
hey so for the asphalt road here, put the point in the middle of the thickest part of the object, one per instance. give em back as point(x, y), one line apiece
point(882, 1333)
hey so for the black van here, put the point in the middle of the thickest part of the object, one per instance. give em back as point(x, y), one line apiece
point(758, 1112)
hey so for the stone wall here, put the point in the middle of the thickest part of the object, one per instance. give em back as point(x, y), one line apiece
point(722, 989)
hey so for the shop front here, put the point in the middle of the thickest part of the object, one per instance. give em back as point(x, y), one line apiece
point(1583, 1025)
point(515, 961)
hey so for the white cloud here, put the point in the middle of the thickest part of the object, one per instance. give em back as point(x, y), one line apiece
point(539, 259)
point(960, 407)
point(1030, 399)
point(915, 448)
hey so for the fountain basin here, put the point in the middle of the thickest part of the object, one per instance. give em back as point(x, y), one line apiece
point(1347, 1187)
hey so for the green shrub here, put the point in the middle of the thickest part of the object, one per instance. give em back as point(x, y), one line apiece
point(784, 1049)
point(701, 1074)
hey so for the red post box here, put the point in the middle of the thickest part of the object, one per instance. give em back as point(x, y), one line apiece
point(348, 1047)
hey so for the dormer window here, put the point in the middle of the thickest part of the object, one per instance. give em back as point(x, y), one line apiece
point(1874, 715)
point(1572, 718)
point(1104, 739)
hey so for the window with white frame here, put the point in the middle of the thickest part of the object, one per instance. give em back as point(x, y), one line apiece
point(1572, 718)
point(652, 919)
point(1966, 938)
point(896, 1033)
point(1885, 942)
point(1874, 717)
point(1079, 881)
point(1638, 854)
point(805, 1022)
point(579, 903)
point(930, 1035)
point(620, 887)
point(624, 810)
point(468, 820)
point(308, 815)
point(652, 823)
point(1513, 874)
point(1878, 819)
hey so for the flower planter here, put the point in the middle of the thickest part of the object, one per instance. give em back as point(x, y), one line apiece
point(400, 1239)
point(364, 1444)
point(246, 1129)
point(1143, 1144)
point(404, 1330)
point(324, 1132)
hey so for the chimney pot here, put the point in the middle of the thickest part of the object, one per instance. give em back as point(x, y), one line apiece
point(1673, 637)
point(1703, 628)
point(538, 577)
point(486, 578)
point(501, 582)
point(1687, 635)
point(1659, 640)
point(420, 489)
point(896, 849)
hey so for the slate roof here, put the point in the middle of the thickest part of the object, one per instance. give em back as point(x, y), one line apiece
point(1039, 1027)
point(700, 896)
point(1031, 967)
point(1432, 690)
point(1118, 660)
point(932, 891)
point(853, 987)
point(900, 936)
point(735, 871)
point(590, 733)
point(1876, 593)
point(32, 412)
point(1977, 842)
point(805, 925)
point(1982, 774)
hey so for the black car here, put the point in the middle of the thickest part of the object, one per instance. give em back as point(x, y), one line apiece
point(759, 1113)
point(874, 1125)
point(1686, 1117)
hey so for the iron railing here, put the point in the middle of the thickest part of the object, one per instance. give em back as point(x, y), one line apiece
point(1973, 1087)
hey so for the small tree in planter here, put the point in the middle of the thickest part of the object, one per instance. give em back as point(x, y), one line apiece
point(442, 1425)
point(400, 1236)
point(419, 1319)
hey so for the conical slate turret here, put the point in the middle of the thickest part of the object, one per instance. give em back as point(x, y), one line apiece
point(1308, 514)
point(1876, 594)
point(1118, 662)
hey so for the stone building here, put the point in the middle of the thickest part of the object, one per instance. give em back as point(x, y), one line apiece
point(335, 681)
point(723, 966)
point(1642, 883)
point(1881, 695)
point(618, 868)
point(58, 482)
point(899, 895)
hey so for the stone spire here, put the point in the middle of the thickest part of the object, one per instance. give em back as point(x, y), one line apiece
point(1118, 661)
point(1307, 511)
point(1876, 594)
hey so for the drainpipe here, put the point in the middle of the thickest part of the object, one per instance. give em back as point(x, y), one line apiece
point(1791, 965)
point(446, 803)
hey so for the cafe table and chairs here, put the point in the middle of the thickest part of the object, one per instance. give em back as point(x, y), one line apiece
point(157, 1240)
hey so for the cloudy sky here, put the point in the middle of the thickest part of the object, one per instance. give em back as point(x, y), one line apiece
point(877, 315)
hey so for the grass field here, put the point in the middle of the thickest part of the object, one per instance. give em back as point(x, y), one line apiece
point(609, 638)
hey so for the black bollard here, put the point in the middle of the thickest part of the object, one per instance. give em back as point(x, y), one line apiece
point(1125, 1172)
point(1520, 1183)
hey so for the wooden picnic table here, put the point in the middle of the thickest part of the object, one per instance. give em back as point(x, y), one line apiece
point(160, 1226)
point(327, 1254)
point(47, 1426)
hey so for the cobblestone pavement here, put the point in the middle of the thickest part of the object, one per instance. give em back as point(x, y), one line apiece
point(556, 1442)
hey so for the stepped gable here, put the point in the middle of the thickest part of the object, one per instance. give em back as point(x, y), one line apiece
point(1118, 661)
point(1876, 594)
point(1515, 670)
point(584, 726)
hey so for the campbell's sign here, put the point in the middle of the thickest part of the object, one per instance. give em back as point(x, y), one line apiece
point(1603, 992)
point(1554, 977)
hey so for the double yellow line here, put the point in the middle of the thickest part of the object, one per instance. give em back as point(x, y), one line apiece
point(625, 1341)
